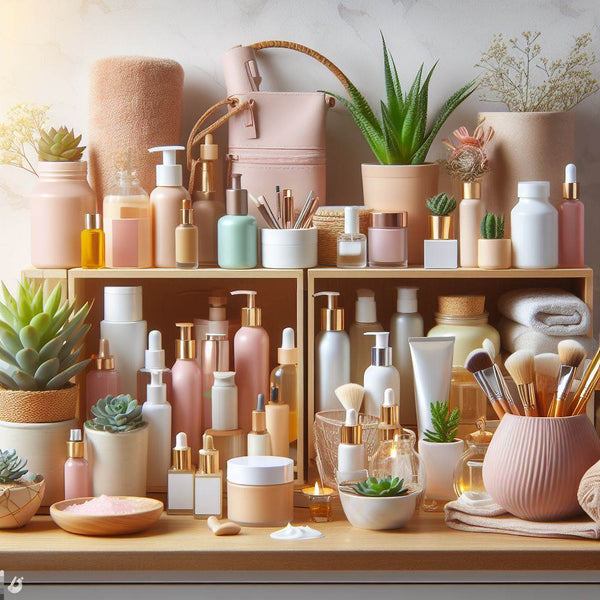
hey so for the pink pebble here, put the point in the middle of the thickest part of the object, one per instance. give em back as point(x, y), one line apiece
point(108, 506)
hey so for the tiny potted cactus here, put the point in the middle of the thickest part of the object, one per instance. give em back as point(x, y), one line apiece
point(21, 493)
point(441, 207)
point(379, 504)
point(440, 450)
point(117, 446)
point(494, 251)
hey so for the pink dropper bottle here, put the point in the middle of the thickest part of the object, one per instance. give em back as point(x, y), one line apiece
point(76, 473)
point(570, 223)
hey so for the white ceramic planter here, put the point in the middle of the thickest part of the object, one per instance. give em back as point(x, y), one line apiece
point(379, 513)
point(118, 461)
point(44, 445)
point(440, 461)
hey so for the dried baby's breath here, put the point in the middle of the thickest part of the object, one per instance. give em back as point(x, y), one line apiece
point(516, 74)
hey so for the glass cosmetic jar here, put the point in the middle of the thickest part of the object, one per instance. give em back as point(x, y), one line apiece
point(388, 239)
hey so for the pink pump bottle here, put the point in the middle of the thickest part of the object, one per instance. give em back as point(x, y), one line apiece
point(251, 359)
point(102, 379)
point(570, 223)
point(77, 474)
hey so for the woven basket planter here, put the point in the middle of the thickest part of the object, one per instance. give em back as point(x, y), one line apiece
point(50, 406)
point(329, 221)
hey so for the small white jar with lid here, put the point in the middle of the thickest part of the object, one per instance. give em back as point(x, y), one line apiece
point(534, 227)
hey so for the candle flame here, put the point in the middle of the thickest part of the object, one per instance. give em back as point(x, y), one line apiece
point(317, 489)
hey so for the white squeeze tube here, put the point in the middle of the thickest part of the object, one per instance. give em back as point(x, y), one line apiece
point(432, 366)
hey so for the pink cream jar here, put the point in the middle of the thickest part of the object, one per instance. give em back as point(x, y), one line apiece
point(388, 239)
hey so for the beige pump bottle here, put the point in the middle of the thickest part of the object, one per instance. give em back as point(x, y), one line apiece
point(278, 424)
point(166, 200)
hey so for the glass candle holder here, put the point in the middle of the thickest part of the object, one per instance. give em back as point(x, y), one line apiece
point(319, 503)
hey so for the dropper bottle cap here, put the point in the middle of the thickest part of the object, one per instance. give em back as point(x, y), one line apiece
point(209, 150)
point(186, 214)
point(154, 357)
point(208, 456)
point(259, 419)
point(104, 360)
point(351, 430)
point(251, 315)
point(389, 417)
point(185, 346)
point(288, 353)
point(182, 453)
point(381, 353)
point(570, 186)
point(236, 197)
point(332, 317)
point(75, 444)
point(156, 390)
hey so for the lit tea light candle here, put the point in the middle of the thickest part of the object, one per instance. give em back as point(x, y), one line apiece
point(319, 503)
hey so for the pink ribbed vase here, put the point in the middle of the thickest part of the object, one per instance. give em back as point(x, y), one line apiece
point(534, 465)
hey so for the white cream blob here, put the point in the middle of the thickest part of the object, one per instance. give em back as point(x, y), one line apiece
point(290, 532)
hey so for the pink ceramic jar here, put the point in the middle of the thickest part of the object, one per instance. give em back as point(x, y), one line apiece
point(534, 465)
point(388, 239)
point(59, 201)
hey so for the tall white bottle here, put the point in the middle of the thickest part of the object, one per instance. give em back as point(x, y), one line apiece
point(405, 323)
point(156, 411)
point(332, 354)
point(470, 211)
point(534, 227)
point(365, 319)
point(126, 332)
point(381, 375)
point(351, 451)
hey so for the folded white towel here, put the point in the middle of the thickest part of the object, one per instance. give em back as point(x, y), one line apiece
point(515, 336)
point(550, 311)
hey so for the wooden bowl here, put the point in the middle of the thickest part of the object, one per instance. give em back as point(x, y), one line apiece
point(104, 525)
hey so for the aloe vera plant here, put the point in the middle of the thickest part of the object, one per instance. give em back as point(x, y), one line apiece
point(402, 135)
point(492, 226)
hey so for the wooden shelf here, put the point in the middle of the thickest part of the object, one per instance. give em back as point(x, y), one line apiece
point(179, 543)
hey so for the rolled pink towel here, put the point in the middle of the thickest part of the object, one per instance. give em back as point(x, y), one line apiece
point(135, 102)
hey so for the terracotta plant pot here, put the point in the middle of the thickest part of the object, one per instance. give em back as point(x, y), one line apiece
point(494, 254)
point(51, 406)
point(526, 147)
point(440, 228)
point(19, 503)
point(118, 461)
point(393, 188)
point(534, 465)
point(44, 445)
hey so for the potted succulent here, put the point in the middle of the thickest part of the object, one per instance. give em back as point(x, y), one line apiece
point(20, 493)
point(40, 348)
point(441, 450)
point(535, 139)
point(494, 251)
point(117, 447)
point(400, 141)
point(379, 504)
point(440, 220)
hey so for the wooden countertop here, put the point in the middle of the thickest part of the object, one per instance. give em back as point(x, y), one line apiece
point(180, 543)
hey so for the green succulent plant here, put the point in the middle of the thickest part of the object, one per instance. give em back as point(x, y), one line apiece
point(401, 136)
point(116, 414)
point(441, 205)
point(492, 226)
point(59, 145)
point(39, 345)
point(445, 423)
point(381, 488)
point(12, 466)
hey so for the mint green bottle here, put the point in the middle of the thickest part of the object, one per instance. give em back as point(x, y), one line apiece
point(237, 230)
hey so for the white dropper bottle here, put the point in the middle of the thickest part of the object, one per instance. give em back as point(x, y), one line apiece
point(351, 451)
point(381, 374)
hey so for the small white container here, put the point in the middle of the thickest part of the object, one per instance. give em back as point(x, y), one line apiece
point(534, 227)
point(260, 490)
point(289, 248)
point(441, 254)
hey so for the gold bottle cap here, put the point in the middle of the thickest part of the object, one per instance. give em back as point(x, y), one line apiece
point(186, 213)
point(208, 457)
point(389, 417)
point(332, 317)
point(104, 360)
point(93, 221)
point(209, 150)
point(185, 346)
point(571, 191)
point(251, 315)
point(75, 448)
point(351, 430)
point(471, 190)
point(182, 453)
point(259, 417)
point(390, 219)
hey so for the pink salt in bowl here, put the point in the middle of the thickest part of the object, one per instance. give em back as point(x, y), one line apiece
point(134, 515)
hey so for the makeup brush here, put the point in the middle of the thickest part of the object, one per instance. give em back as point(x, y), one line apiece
point(278, 201)
point(547, 366)
point(520, 367)
point(479, 362)
point(509, 403)
point(586, 387)
point(303, 210)
point(350, 395)
point(264, 211)
point(570, 353)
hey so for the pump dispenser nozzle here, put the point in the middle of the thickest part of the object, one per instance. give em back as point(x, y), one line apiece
point(381, 353)
point(182, 453)
point(288, 353)
point(251, 315)
point(185, 346)
point(389, 413)
point(332, 317)
point(169, 174)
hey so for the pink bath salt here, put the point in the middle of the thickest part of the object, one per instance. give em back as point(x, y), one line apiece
point(103, 506)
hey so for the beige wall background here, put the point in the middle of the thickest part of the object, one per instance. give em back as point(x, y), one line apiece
point(46, 48)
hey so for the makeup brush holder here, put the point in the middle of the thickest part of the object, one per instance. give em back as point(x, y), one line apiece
point(534, 465)
point(289, 248)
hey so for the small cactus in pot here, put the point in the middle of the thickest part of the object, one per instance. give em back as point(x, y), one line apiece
point(441, 207)
point(494, 252)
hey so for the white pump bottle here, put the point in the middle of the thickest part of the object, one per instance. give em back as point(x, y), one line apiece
point(381, 375)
